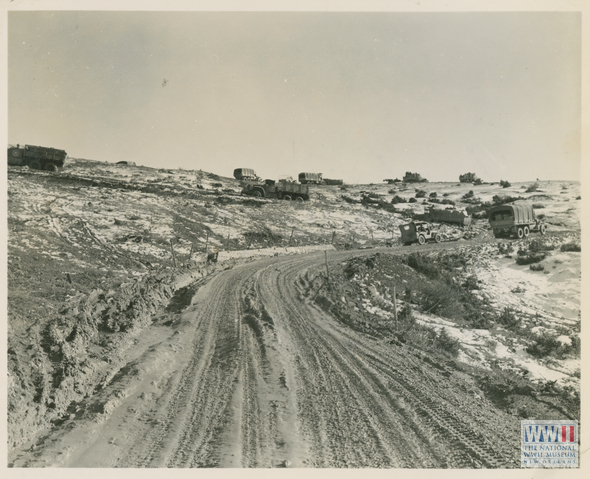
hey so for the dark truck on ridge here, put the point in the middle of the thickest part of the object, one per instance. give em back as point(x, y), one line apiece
point(282, 190)
point(37, 157)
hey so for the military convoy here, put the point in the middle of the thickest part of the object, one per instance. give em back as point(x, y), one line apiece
point(515, 220)
point(37, 157)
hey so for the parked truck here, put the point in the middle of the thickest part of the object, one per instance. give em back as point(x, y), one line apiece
point(37, 157)
point(311, 178)
point(515, 220)
point(282, 190)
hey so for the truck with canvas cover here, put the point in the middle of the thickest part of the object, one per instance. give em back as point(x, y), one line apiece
point(515, 220)
point(245, 174)
point(282, 190)
point(310, 178)
point(37, 157)
point(448, 215)
point(419, 232)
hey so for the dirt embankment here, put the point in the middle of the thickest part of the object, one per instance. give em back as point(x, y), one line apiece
point(79, 350)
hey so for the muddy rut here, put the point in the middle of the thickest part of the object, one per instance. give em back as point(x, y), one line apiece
point(260, 376)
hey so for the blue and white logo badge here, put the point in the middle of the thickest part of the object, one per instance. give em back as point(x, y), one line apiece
point(549, 443)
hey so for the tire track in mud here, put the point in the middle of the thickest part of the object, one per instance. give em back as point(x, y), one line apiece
point(272, 380)
point(440, 437)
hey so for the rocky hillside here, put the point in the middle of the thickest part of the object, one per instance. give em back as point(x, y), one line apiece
point(100, 251)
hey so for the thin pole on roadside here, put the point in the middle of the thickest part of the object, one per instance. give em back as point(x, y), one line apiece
point(395, 307)
point(173, 255)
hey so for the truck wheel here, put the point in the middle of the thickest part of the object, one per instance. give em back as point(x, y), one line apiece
point(543, 229)
point(287, 198)
point(257, 194)
point(299, 199)
point(421, 239)
point(438, 238)
point(51, 167)
point(520, 233)
point(35, 165)
point(526, 231)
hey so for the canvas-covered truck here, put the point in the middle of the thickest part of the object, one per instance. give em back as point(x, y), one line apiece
point(37, 157)
point(419, 232)
point(515, 220)
point(245, 174)
point(282, 190)
point(311, 178)
point(448, 215)
point(410, 177)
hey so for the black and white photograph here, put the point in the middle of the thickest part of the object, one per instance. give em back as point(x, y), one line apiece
point(273, 235)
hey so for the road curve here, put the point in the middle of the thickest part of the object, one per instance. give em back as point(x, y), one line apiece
point(272, 380)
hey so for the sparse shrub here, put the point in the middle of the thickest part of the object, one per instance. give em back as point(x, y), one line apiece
point(530, 257)
point(398, 199)
point(420, 194)
point(446, 201)
point(445, 194)
point(505, 184)
point(505, 248)
point(422, 264)
point(217, 185)
point(537, 267)
point(413, 200)
point(508, 319)
point(478, 182)
point(576, 247)
point(545, 344)
point(468, 195)
point(538, 245)
point(350, 200)
point(578, 197)
point(503, 199)
point(471, 282)
point(433, 195)
point(447, 343)
point(532, 188)
point(538, 206)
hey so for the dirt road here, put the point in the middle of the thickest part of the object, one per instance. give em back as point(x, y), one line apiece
point(257, 375)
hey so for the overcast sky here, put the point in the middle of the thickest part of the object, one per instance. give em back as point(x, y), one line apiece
point(356, 96)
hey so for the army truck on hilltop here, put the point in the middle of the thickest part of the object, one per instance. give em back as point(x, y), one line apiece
point(37, 157)
point(311, 178)
point(413, 178)
point(282, 190)
point(515, 220)
point(245, 174)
